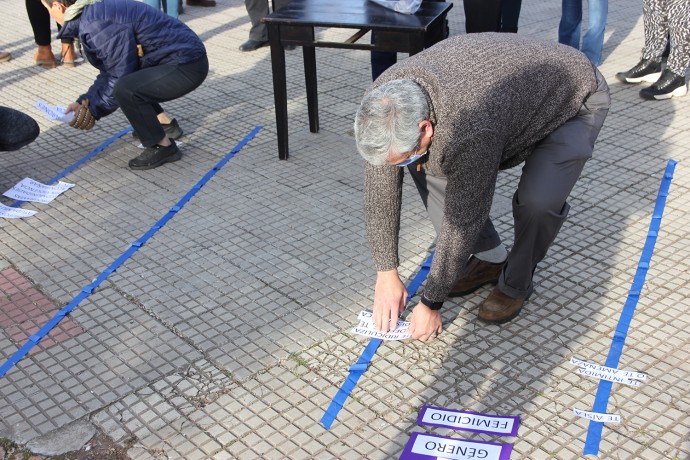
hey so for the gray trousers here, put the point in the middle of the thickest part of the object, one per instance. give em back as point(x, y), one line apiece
point(539, 204)
point(257, 9)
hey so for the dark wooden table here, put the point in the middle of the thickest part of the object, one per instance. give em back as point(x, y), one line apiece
point(295, 24)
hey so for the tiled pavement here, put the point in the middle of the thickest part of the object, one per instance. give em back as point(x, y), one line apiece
point(226, 335)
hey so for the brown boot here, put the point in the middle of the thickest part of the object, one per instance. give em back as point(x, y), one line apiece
point(474, 275)
point(69, 57)
point(45, 57)
point(499, 308)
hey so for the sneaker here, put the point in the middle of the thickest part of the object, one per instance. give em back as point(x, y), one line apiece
point(667, 86)
point(172, 130)
point(153, 157)
point(645, 70)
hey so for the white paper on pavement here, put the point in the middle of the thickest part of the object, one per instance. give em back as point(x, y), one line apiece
point(8, 212)
point(31, 190)
point(54, 112)
point(367, 329)
point(597, 416)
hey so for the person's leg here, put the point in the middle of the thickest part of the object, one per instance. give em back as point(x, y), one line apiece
point(679, 27)
point(656, 28)
point(40, 23)
point(548, 176)
point(18, 129)
point(510, 14)
point(380, 61)
point(593, 41)
point(432, 191)
point(257, 9)
point(139, 95)
point(571, 21)
point(171, 7)
point(153, 3)
point(482, 15)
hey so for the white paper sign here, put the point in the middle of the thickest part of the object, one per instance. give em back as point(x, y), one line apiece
point(54, 112)
point(597, 416)
point(456, 449)
point(366, 328)
point(8, 212)
point(31, 190)
point(608, 373)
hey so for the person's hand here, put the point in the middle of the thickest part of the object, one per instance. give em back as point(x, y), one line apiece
point(425, 323)
point(83, 118)
point(390, 296)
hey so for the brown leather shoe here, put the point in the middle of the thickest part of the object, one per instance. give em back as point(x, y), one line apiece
point(499, 308)
point(474, 275)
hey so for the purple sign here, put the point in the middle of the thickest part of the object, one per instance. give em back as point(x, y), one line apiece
point(469, 421)
point(424, 446)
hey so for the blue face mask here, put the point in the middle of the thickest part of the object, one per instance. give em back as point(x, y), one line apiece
point(411, 160)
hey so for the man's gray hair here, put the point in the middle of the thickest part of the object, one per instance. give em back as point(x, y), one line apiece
point(388, 120)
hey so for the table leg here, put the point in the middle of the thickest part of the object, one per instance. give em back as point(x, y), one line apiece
point(279, 89)
point(309, 53)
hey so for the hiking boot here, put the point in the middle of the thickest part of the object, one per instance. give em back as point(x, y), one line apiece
point(499, 308)
point(645, 70)
point(172, 130)
point(474, 275)
point(153, 157)
point(667, 86)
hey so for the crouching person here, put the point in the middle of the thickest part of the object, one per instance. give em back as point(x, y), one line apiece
point(454, 115)
point(145, 57)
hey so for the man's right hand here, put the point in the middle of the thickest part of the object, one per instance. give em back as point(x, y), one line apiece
point(389, 300)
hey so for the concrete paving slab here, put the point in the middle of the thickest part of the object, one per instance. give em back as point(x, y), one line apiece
point(226, 334)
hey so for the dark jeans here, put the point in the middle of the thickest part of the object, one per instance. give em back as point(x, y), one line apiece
point(381, 60)
point(139, 94)
point(482, 16)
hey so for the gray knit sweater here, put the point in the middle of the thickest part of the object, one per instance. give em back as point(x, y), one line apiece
point(492, 98)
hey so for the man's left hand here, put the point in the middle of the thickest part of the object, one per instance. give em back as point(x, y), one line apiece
point(425, 323)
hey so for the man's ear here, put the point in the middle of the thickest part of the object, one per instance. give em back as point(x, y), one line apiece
point(426, 129)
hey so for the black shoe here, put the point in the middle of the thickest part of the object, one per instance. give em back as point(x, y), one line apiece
point(153, 157)
point(252, 45)
point(172, 130)
point(201, 2)
point(290, 47)
point(645, 70)
point(667, 86)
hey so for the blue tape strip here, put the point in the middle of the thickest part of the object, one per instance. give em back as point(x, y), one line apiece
point(601, 399)
point(86, 158)
point(362, 364)
point(87, 290)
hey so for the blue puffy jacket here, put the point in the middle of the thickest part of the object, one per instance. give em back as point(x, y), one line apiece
point(110, 32)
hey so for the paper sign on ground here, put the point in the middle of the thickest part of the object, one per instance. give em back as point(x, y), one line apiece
point(14, 213)
point(469, 421)
point(610, 378)
point(366, 328)
point(423, 446)
point(597, 416)
point(54, 112)
point(618, 373)
point(31, 190)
